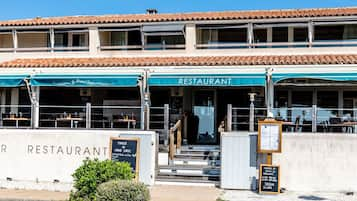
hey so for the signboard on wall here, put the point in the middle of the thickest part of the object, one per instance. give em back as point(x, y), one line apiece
point(269, 136)
point(269, 179)
point(126, 150)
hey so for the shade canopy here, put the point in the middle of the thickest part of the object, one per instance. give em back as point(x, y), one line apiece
point(12, 80)
point(160, 30)
point(277, 77)
point(207, 80)
point(52, 80)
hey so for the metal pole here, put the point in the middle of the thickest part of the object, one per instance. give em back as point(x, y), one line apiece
point(229, 117)
point(166, 123)
point(88, 115)
point(314, 118)
point(269, 92)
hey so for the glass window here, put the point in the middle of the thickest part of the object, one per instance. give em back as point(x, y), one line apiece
point(327, 99)
point(335, 32)
point(33, 39)
point(6, 39)
point(229, 35)
point(301, 98)
point(120, 38)
point(280, 34)
point(301, 34)
point(164, 41)
point(260, 35)
point(61, 39)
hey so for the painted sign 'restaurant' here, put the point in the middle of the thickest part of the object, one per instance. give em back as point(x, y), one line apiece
point(205, 81)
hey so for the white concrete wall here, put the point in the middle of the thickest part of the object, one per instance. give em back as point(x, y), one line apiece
point(318, 162)
point(34, 159)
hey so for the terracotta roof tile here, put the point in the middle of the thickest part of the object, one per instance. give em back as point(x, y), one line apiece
point(225, 15)
point(182, 61)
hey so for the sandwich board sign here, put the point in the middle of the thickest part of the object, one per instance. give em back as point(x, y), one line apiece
point(126, 150)
point(269, 179)
point(269, 136)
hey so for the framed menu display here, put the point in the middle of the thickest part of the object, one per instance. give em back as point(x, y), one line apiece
point(269, 136)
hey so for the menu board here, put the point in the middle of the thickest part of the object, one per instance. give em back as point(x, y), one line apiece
point(269, 179)
point(269, 136)
point(126, 150)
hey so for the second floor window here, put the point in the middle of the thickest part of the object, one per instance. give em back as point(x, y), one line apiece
point(69, 39)
point(6, 39)
point(227, 36)
point(343, 32)
point(39, 39)
point(159, 37)
point(120, 38)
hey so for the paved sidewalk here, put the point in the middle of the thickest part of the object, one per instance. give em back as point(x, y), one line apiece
point(287, 196)
point(158, 193)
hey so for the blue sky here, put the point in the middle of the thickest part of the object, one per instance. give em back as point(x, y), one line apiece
point(16, 9)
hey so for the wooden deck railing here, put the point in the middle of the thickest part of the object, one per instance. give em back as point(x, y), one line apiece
point(178, 129)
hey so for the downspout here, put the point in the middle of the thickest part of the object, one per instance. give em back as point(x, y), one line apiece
point(269, 91)
point(33, 93)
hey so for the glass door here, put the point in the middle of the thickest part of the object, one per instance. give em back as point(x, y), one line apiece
point(204, 111)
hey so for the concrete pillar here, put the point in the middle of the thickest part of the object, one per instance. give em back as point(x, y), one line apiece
point(14, 100)
point(94, 41)
point(290, 34)
point(14, 39)
point(311, 33)
point(190, 37)
point(250, 34)
point(269, 34)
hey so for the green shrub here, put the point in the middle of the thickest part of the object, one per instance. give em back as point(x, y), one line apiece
point(121, 190)
point(94, 172)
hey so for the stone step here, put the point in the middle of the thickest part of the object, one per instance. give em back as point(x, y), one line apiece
point(186, 180)
point(195, 161)
point(190, 172)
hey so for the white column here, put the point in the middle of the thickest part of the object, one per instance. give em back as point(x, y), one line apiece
point(94, 41)
point(311, 33)
point(250, 34)
point(52, 39)
point(14, 100)
point(190, 37)
point(290, 34)
point(14, 39)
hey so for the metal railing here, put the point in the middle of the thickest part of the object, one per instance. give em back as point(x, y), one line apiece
point(295, 119)
point(176, 129)
point(16, 116)
point(159, 121)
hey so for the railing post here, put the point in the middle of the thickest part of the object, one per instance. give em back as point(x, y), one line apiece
point(88, 115)
point(179, 139)
point(251, 117)
point(172, 145)
point(314, 118)
point(166, 123)
point(229, 117)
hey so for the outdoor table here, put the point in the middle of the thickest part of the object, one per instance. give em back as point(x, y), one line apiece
point(74, 121)
point(16, 119)
point(129, 121)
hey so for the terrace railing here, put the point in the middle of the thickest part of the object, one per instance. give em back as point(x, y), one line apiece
point(16, 116)
point(295, 119)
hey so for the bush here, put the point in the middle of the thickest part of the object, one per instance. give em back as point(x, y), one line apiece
point(120, 190)
point(94, 172)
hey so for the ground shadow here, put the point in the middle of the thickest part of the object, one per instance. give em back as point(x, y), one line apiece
point(310, 197)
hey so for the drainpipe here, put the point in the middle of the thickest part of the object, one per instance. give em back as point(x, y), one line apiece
point(34, 93)
point(269, 91)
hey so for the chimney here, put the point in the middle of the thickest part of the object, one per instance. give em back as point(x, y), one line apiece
point(151, 11)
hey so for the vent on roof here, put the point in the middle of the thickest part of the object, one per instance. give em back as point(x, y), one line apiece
point(151, 11)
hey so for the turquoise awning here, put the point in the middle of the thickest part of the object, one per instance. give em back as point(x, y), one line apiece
point(50, 80)
point(212, 80)
point(12, 80)
point(322, 76)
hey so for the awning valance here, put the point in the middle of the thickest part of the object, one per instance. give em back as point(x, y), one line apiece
point(321, 76)
point(12, 80)
point(207, 80)
point(54, 80)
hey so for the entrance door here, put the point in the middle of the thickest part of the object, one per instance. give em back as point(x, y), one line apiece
point(204, 111)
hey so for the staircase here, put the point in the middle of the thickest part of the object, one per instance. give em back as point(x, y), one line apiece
point(193, 164)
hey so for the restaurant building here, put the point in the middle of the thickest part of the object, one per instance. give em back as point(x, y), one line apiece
point(196, 73)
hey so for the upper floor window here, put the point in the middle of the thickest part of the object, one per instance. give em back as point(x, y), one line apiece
point(128, 38)
point(71, 39)
point(159, 37)
point(33, 40)
point(6, 41)
point(221, 36)
point(280, 35)
point(335, 34)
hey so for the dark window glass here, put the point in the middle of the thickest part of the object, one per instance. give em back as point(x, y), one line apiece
point(301, 34)
point(280, 34)
point(302, 98)
point(232, 35)
point(61, 39)
point(134, 37)
point(260, 35)
point(281, 99)
point(327, 99)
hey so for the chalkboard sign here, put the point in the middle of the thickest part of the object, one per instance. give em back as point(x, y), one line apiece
point(126, 150)
point(269, 179)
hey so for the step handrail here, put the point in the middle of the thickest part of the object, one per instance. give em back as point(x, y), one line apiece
point(172, 148)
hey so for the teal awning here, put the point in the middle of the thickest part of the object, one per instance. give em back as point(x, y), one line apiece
point(322, 76)
point(12, 80)
point(213, 80)
point(51, 80)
